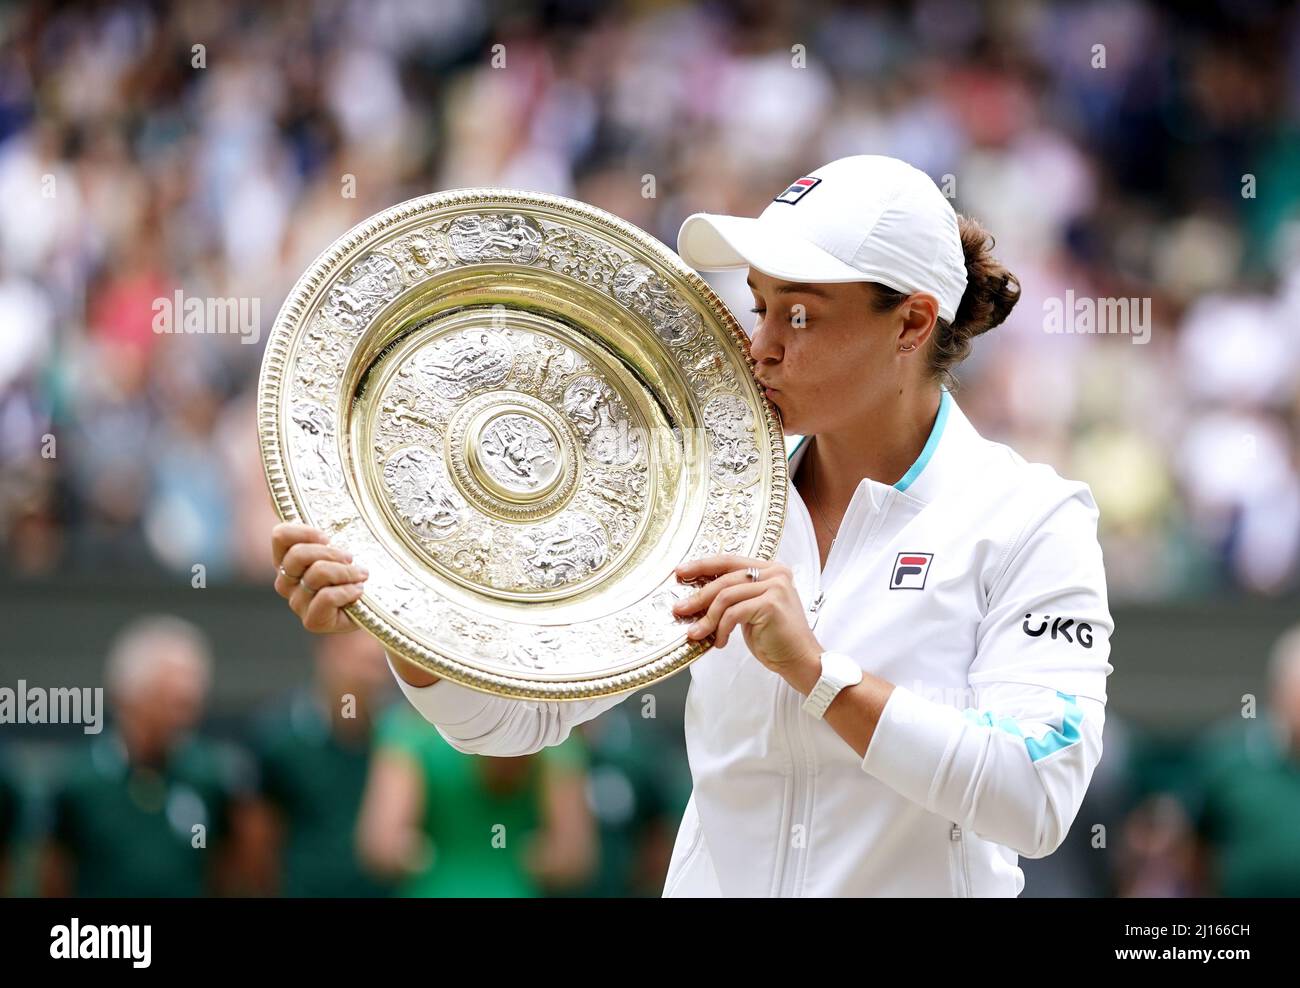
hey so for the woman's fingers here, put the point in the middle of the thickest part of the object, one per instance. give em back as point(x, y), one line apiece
point(325, 613)
point(327, 573)
point(322, 611)
point(726, 598)
point(704, 597)
point(735, 615)
point(712, 566)
point(287, 534)
point(301, 558)
point(319, 580)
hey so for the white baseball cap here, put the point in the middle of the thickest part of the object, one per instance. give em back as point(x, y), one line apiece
point(863, 218)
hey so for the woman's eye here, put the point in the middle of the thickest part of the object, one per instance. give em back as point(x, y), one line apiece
point(757, 310)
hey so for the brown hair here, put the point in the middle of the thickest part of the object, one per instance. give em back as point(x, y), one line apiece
point(991, 293)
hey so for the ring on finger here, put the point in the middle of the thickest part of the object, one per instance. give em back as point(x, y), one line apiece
point(753, 573)
point(292, 579)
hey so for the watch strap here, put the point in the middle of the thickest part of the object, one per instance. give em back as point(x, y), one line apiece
point(838, 671)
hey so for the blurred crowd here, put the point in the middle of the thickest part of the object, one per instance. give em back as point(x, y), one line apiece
point(1118, 149)
point(338, 790)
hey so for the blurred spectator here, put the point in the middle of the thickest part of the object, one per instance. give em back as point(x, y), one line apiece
point(449, 824)
point(1157, 852)
point(143, 810)
point(1248, 797)
point(638, 797)
point(312, 757)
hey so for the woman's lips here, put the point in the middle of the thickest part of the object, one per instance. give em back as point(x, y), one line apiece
point(770, 392)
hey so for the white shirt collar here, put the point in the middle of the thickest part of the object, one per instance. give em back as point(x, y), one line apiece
point(951, 436)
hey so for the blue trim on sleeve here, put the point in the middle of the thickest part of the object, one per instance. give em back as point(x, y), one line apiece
point(1051, 742)
point(941, 419)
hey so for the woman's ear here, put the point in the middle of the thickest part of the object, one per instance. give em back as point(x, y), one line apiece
point(920, 312)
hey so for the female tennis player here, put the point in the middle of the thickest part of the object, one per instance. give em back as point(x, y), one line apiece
point(912, 693)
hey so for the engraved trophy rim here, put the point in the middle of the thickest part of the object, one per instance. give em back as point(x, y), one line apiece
point(307, 299)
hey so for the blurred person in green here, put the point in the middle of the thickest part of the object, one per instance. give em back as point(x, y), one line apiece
point(448, 824)
point(638, 796)
point(313, 754)
point(1247, 798)
point(1157, 854)
point(144, 808)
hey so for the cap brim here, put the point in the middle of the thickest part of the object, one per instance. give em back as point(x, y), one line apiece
point(711, 242)
point(714, 242)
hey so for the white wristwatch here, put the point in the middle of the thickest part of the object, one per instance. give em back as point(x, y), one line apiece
point(838, 671)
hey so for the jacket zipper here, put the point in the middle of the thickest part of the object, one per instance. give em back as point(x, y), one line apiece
point(688, 858)
point(798, 754)
point(798, 751)
point(796, 792)
point(957, 857)
point(786, 874)
point(816, 606)
point(795, 706)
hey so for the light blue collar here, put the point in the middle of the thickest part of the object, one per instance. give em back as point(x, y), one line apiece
point(936, 432)
point(940, 420)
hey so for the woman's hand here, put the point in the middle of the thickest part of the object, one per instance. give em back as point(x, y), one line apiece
point(317, 579)
point(768, 610)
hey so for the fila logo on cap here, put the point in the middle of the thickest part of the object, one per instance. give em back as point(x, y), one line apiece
point(910, 569)
point(798, 190)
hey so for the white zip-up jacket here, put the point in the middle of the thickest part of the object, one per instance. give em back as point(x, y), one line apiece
point(975, 585)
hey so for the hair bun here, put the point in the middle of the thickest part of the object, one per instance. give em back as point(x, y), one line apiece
point(991, 290)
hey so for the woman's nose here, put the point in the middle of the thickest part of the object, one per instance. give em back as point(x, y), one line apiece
point(763, 344)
